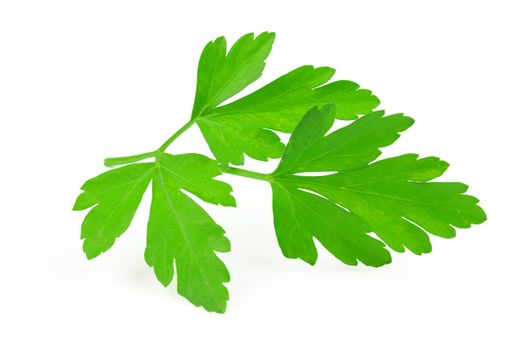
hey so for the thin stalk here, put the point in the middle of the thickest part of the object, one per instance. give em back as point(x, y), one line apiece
point(245, 173)
point(109, 162)
point(176, 135)
point(137, 157)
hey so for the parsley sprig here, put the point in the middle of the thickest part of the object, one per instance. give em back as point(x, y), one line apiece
point(394, 198)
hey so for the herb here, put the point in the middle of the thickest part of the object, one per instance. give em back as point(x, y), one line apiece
point(393, 198)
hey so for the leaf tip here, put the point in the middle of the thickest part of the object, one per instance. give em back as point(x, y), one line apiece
point(164, 278)
point(90, 253)
point(219, 309)
point(270, 36)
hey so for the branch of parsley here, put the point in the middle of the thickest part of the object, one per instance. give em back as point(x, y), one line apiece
point(394, 197)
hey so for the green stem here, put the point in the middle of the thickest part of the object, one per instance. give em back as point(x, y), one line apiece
point(245, 173)
point(137, 157)
point(109, 162)
point(176, 135)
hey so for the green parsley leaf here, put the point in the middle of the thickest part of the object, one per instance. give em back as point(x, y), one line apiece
point(244, 126)
point(393, 198)
point(221, 75)
point(178, 228)
point(115, 195)
point(299, 216)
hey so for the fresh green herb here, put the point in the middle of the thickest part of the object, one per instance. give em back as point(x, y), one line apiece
point(393, 198)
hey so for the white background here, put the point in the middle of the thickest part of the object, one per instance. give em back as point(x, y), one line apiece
point(83, 80)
